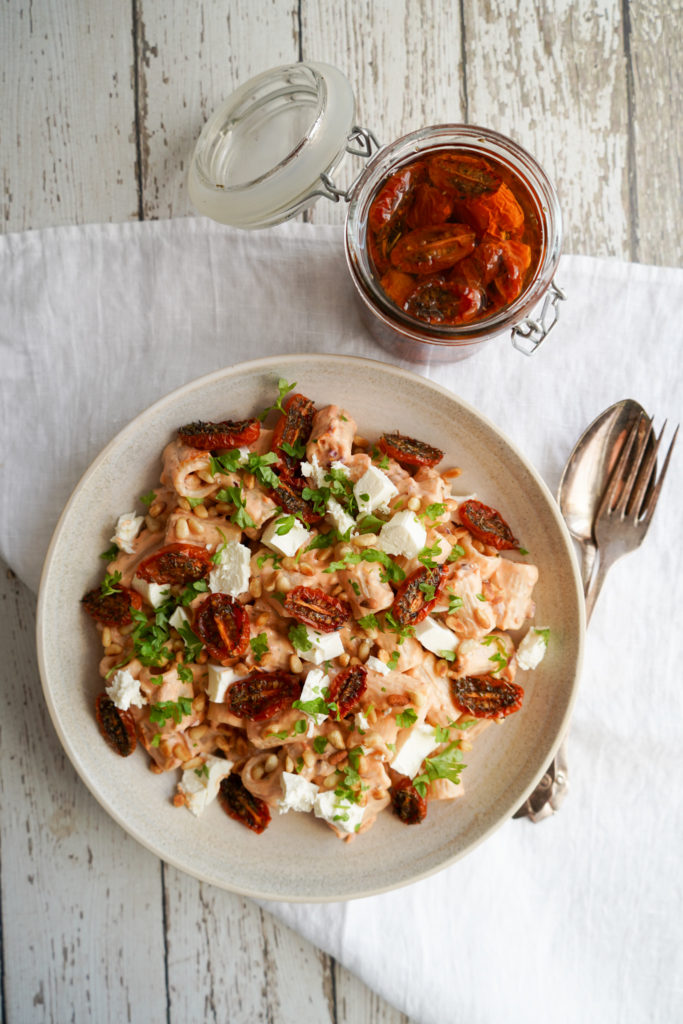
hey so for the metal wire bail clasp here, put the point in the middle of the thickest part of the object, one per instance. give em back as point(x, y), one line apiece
point(359, 142)
point(528, 335)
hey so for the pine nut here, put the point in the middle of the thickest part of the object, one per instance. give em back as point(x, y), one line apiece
point(309, 757)
point(223, 743)
point(199, 704)
point(184, 504)
point(451, 474)
point(337, 740)
point(295, 664)
point(194, 762)
point(364, 650)
point(156, 768)
point(262, 618)
point(398, 700)
point(337, 758)
point(383, 656)
point(249, 481)
point(182, 529)
point(371, 714)
point(201, 511)
point(196, 528)
point(269, 585)
point(441, 667)
point(361, 442)
point(306, 570)
point(270, 764)
point(156, 508)
point(355, 660)
point(222, 507)
point(257, 772)
point(283, 583)
point(113, 649)
point(289, 764)
point(196, 732)
point(330, 781)
point(153, 525)
point(288, 563)
point(414, 504)
point(206, 475)
point(365, 540)
point(344, 659)
point(106, 636)
point(241, 669)
point(255, 588)
point(337, 590)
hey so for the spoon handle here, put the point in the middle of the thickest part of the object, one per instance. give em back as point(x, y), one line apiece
point(588, 557)
point(594, 585)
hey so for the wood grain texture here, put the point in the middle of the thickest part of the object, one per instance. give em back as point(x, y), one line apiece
point(68, 131)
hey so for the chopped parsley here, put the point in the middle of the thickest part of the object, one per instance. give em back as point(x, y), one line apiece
point(298, 638)
point(259, 646)
point(447, 655)
point(406, 718)
point(110, 583)
point(319, 744)
point(433, 511)
point(227, 463)
point(110, 554)
point(446, 765)
point(324, 540)
point(148, 499)
point(262, 559)
point(283, 389)
point(456, 552)
point(393, 660)
point(454, 602)
point(428, 554)
point(202, 772)
point(175, 709)
point(218, 553)
point(369, 622)
point(193, 644)
point(192, 590)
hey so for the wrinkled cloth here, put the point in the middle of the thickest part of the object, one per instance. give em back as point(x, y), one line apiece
point(572, 919)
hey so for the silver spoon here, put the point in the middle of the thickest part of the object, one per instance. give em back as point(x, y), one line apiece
point(582, 485)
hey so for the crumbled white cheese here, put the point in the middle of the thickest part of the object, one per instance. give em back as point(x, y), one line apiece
point(153, 593)
point(126, 530)
point(324, 646)
point(404, 534)
point(373, 490)
point(338, 811)
point(298, 794)
point(360, 722)
point(435, 637)
point(531, 651)
point(284, 543)
point(340, 518)
point(420, 742)
point(316, 681)
point(314, 471)
point(124, 691)
point(375, 665)
point(218, 680)
point(232, 573)
point(179, 618)
point(199, 786)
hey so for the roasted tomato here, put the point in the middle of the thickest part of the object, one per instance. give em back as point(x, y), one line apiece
point(465, 175)
point(289, 499)
point(485, 696)
point(417, 595)
point(176, 564)
point(394, 197)
point(222, 624)
point(397, 286)
point(407, 451)
point(348, 687)
point(215, 436)
point(487, 525)
point(499, 214)
point(315, 608)
point(113, 609)
point(430, 206)
point(437, 300)
point(261, 695)
point(407, 802)
point(293, 429)
point(243, 806)
point(117, 727)
point(428, 250)
point(514, 263)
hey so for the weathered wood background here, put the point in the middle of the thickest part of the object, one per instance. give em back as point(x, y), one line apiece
point(102, 104)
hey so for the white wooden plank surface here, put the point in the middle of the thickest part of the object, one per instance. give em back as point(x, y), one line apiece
point(102, 105)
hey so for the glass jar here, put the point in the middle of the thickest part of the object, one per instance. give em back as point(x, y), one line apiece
point(270, 151)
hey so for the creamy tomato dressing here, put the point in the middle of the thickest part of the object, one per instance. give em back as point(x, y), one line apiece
point(430, 666)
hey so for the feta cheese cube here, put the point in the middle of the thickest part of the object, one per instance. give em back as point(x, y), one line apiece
point(420, 742)
point(126, 530)
point(124, 691)
point(298, 794)
point(404, 534)
point(200, 786)
point(338, 811)
point(284, 543)
point(324, 646)
point(313, 687)
point(314, 472)
point(531, 651)
point(179, 618)
point(375, 665)
point(373, 490)
point(232, 573)
point(339, 517)
point(435, 637)
point(218, 680)
point(360, 722)
point(153, 593)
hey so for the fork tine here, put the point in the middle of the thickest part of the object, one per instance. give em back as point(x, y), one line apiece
point(637, 455)
point(645, 470)
point(660, 480)
point(612, 490)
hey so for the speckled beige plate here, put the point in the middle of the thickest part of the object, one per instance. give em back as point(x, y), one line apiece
point(298, 857)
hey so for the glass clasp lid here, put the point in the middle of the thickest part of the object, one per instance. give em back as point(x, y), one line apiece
point(360, 142)
point(528, 335)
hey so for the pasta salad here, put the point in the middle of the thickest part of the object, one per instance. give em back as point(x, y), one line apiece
point(305, 619)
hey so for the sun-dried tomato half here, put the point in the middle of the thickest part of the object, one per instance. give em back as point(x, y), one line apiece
point(116, 726)
point(408, 451)
point(437, 247)
point(315, 608)
point(430, 206)
point(487, 525)
point(114, 609)
point(437, 300)
point(222, 624)
point(466, 175)
point(348, 687)
point(176, 563)
point(243, 806)
point(486, 697)
point(290, 501)
point(215, 436)
point(261, 695)
point(407, 802)
point(394, 197)
point(293, 429)
point(417, 595)
point(515, 261)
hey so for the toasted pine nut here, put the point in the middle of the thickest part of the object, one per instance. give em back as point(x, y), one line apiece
point(184, 504)
point(156, 508)
point(364, 650)
point(354, 660)
point(309, 757)
point(113, 649)
point(465, 745)
point(377, 794)
point(206, 475)
point(156, 768)
point(106, 636)
point(383, 656)
point(289, 764)
point(270, 764)
point(361, 442)
point(371, 714)
point(199, 704)
point(288, 563)
point(223, 743)
point(255, 588)
point(413, 503)
point(344, 659)
point(181, 528)
point(196, 528)
point(295, 664)
point(397, 700)
point(416, 697)
point(451, 474)
point(330, 781)
point(241, 669)
point(257, 772)
point(337, 740)
point(201, 511)
point(337, 758)
point(127, 630)
point(222, 507)
point(283, 583)
point(337, 590)
point(306, 570)
point(365, 540)
point(249, 481)
point(166, 748)
point(153, 525)
point(197, 731)
point(373, 739)
point(194, 762)
point(269, 585)
point(441, 667)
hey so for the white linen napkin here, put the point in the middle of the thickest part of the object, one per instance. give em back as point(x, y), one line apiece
point(576, 918)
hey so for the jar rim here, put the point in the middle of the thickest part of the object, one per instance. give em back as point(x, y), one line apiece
point(406, 149)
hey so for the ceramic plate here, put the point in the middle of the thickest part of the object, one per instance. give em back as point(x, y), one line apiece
point(298, 857)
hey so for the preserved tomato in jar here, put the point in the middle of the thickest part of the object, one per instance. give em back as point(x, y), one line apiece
point(452, 237)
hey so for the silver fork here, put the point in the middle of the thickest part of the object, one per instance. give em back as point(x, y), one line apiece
point(621, 522)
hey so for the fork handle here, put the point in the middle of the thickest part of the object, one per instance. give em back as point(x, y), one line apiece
point(595, 583)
